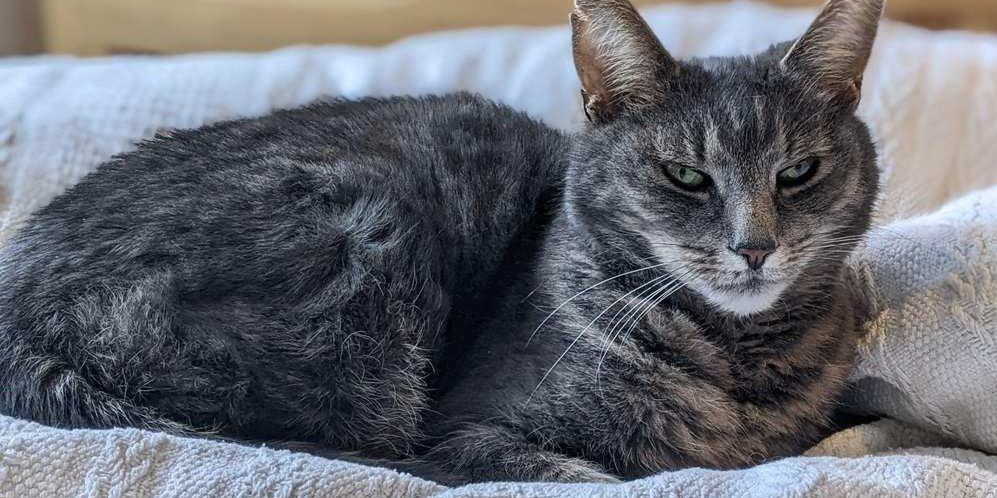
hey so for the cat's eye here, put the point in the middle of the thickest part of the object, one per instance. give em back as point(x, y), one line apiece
point(798, 174)
point(687, 178)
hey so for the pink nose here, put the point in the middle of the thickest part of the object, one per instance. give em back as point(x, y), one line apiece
point(754, 255)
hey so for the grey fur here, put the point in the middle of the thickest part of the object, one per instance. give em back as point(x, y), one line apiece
point(446, 283)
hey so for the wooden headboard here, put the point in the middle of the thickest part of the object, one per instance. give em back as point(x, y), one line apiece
point(97, 27)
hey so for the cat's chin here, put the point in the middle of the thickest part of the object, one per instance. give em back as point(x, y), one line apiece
point(744, 302)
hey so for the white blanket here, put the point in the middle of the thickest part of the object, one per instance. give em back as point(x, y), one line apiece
point(929, 359)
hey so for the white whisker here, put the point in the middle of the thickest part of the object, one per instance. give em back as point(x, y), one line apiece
point(673, 284)
point(593, 286)
point(568, 349)
point(648, 309)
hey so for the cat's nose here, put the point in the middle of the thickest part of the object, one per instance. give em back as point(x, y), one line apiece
point(755, 254)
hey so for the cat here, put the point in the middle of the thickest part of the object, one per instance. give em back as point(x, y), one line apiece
point(447, 282)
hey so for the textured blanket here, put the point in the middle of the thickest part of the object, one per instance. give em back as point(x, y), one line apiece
point(928, 362)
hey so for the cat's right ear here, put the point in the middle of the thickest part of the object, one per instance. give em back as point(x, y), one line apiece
point(834, 51)
point(621, 64)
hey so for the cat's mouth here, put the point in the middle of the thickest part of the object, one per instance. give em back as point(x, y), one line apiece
point(747, 282)
point(725, 281)
point(752, 297)
point(745, 294)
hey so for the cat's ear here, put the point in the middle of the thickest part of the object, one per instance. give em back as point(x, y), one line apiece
point(621, 64)
point(835, 48)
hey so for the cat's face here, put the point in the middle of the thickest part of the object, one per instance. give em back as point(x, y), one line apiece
point(738, 175)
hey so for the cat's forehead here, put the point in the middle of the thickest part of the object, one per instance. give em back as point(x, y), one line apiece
point(739, 85)
point(738, 108)
point(739, 125)
point(760, 67)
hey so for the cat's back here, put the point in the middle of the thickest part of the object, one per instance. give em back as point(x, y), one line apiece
point(250, 274)
point(438, 162)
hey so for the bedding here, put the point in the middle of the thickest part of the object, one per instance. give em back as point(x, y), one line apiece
point(928, 360)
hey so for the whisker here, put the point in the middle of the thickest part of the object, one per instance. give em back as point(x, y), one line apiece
point(641, 300)
point(675, 288)
point(593, 286)
point(646, 284)
point(616, 320)
point(668, 289)
point(565, 353)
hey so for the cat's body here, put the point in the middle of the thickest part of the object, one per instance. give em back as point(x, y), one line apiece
point(447, 280)
point(277, 278)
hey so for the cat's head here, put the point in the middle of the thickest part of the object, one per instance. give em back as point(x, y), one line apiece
point(740, 175)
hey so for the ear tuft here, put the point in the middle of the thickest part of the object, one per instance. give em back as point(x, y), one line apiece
point(621, 64)
point(835, 49)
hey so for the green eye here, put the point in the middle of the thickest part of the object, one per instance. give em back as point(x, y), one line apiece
point(686, 177)
point(798, 174)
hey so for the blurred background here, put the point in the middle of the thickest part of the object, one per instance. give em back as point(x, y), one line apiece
point(101, 27)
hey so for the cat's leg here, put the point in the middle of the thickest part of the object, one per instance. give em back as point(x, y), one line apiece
point(484, 452)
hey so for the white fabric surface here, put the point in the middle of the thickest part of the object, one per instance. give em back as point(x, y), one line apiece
point(46, 463)
point(929, 359)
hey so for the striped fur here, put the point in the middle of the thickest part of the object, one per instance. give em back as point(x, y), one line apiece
point(445, 285)
point(642, 342)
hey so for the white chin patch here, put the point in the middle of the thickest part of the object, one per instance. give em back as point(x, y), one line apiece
point(744, 303)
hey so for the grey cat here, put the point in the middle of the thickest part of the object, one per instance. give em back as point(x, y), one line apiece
point(447, 284)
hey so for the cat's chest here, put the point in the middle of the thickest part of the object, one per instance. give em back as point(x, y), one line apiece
point(735, 353)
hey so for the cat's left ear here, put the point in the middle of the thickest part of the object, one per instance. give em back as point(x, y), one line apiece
point(621, 64)
point(835, 48)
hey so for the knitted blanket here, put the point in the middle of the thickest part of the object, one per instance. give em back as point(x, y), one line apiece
point(928, 361)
